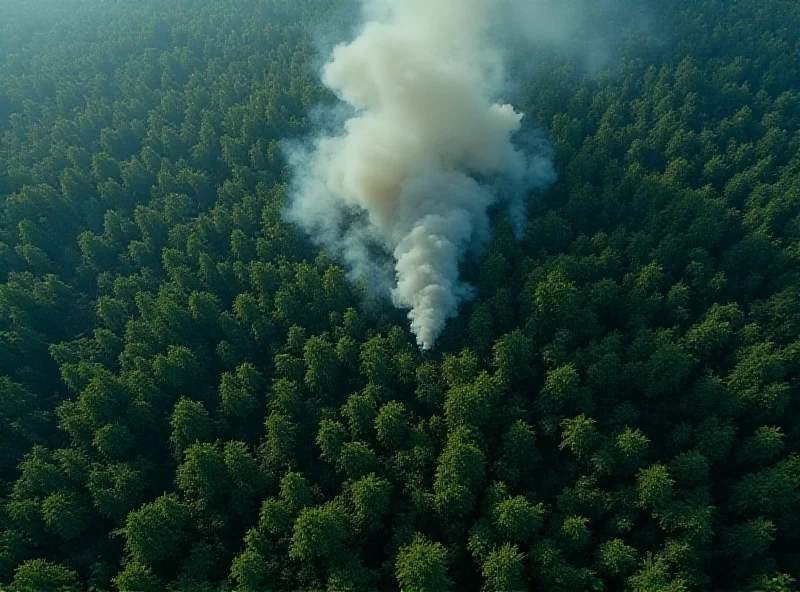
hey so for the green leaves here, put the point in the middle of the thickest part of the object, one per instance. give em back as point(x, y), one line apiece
point(239, 391)
point(357, 459)
point(137, 578)
point(470, 404)
point(519, 453)
point(631, 447)
point(295, 491)
point(513, 356)
point(617, 558)
point(422, 565)
point(757, 381)
point(322, 365)
point(157, 531)
point(213, 476)
point(766, 443)
point(580, 436)
point(320, 532)
point(391, 425)
point(772, 492)
point(654, 486)
point(178, 369)
point(561, 387)
point(459, 474)
point(202, 475)
point(503, 570)
point(190, 423)
point(331, 438)
point(575, 530)
point(116, 489)
point(749, 539)
point(360, 410)
point(370, 497)
point(38, 575)
point(65, 514)
point(517, 519)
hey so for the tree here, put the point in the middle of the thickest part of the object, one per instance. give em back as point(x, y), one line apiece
point(321, 363)
point(319, 532)
point(516, 519)
point(190, 424)
point(370, 498)
point(766, 443)
point(561, 387)
point(631, 448)
point(157, 531)
point(654, 486)
point(580, 436)
point(504, 570)
point(471, 404)
point(116, 489)
point(422, 565)
point(281, 439)
point(513, 355)
point(239, 391)
point(295, 491)
point(38, 575)
point(391, 425)
point(617, 558)
point(428, 387)
point(360, 410)
point(65, 514)
point(758, 381)
point(331, 438)
point(202, 475)
point(137, 578)
point(460, 472)
point(519, 452)
point(460, 369)
point(749, 539)
point(357, 459)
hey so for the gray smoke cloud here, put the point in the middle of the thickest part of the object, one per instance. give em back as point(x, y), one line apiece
point(587, 32)
point(426, 150)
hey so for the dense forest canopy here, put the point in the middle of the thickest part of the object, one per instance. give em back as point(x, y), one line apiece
point(194, 397)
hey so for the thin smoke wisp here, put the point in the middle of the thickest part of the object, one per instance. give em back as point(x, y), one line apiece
point(426, 150)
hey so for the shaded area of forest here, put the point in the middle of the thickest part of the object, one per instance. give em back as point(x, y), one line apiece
point(193, 398)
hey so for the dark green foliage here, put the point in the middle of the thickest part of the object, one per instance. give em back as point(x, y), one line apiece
point(194, 399)
point(37, 575)
point(157, 531)
point(422, 565)
point(319, 532)
point(504, 570)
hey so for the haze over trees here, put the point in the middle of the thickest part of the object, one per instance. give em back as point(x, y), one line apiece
point(193, 397)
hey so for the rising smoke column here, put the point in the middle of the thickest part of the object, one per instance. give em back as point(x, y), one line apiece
point(403, 174)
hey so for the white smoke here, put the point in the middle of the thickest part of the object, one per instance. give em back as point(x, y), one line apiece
point(409, 173)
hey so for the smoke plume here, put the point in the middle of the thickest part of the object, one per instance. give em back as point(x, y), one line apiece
point(426, 149)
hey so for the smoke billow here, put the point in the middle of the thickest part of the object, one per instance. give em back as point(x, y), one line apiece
point(426, 150)
point(587, 33)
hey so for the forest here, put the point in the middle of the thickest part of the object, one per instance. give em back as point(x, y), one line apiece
point(196, 397)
